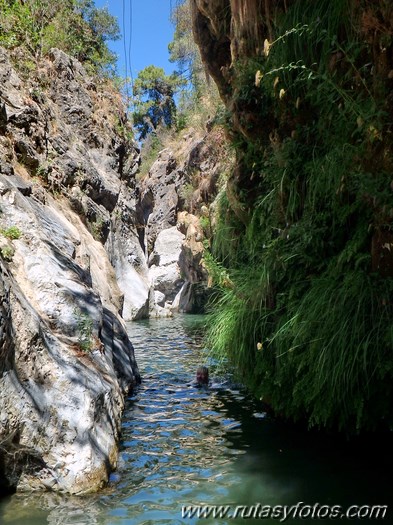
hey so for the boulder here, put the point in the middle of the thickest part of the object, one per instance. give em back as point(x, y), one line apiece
point(165, 272)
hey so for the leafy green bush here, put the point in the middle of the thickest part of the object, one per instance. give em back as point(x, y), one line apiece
point(75, 26)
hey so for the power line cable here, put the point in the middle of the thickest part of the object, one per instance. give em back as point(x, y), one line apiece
point(125, 49)
point(130, 51)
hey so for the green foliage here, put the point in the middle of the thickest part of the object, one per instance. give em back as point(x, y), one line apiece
point(205, 224)
point(154, 104)
point(150, 149)
point(7, 253)
point(96, 228)
point(186, 194)
point(183, 49)
point(304, 311)
point(43, 171)
point(12, 233)
point(228, 233)
point(75, 26)
point(198, 96)
point(85, 330)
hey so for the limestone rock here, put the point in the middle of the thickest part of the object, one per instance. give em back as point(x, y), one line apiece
point(128, 258)
point(165, 273)
point(66, 358)
point(180, 186)
point(66, 361)
point(159, 197)
point(159, 298)
point(192, 298)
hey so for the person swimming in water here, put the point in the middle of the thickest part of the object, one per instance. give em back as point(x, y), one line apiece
point(202, 376)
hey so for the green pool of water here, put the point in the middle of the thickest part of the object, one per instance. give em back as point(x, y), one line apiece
point(186, 446)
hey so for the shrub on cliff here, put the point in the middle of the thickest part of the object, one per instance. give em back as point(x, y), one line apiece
point(75, 26)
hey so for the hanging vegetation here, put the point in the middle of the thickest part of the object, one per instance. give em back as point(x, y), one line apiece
point(303, 250)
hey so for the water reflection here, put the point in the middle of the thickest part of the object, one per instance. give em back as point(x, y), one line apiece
point(184, 445)
point(50, 508)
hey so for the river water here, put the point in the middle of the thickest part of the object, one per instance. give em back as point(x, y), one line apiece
point(184, 446)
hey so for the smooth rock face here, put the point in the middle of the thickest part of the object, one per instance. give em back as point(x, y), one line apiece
point(165, 273)
point(128, 259)
point(66, 361)
point(66, 358)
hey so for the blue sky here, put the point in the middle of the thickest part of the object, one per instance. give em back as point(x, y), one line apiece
point(150, 33)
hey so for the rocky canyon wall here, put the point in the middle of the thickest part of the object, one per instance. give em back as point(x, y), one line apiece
point(85, 244)
point(66, 209)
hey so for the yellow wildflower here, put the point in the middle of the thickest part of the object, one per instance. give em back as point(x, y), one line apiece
point(258, 78)
point(266, 47)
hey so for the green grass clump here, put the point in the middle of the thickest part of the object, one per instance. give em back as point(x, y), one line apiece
point(319, 348)
point(12, 233)
point(85, 331)
point(7, 253)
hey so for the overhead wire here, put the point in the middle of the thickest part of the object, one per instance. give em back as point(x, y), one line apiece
point(125, 50)
point(129, 51)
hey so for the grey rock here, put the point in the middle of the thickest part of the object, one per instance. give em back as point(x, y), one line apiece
point(166, 276)
point(26, 154)
point(57, 292)
point(159, 198)
point(3, 118)
point(66, 361)
point(20, 184)
point(192, 298)
point(6, 168)
point(129, 259)
point(159, 298)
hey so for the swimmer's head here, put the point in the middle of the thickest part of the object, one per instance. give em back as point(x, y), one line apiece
point(202, 375)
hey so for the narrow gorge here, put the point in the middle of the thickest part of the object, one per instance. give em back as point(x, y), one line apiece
point(84, 246)
point(254, 185)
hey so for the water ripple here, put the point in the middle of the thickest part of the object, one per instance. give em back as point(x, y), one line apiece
point(183, 445)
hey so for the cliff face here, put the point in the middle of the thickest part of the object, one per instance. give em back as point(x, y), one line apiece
point(66, 199)
point(307, 274)
point(173, 206)
point(83, 245)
